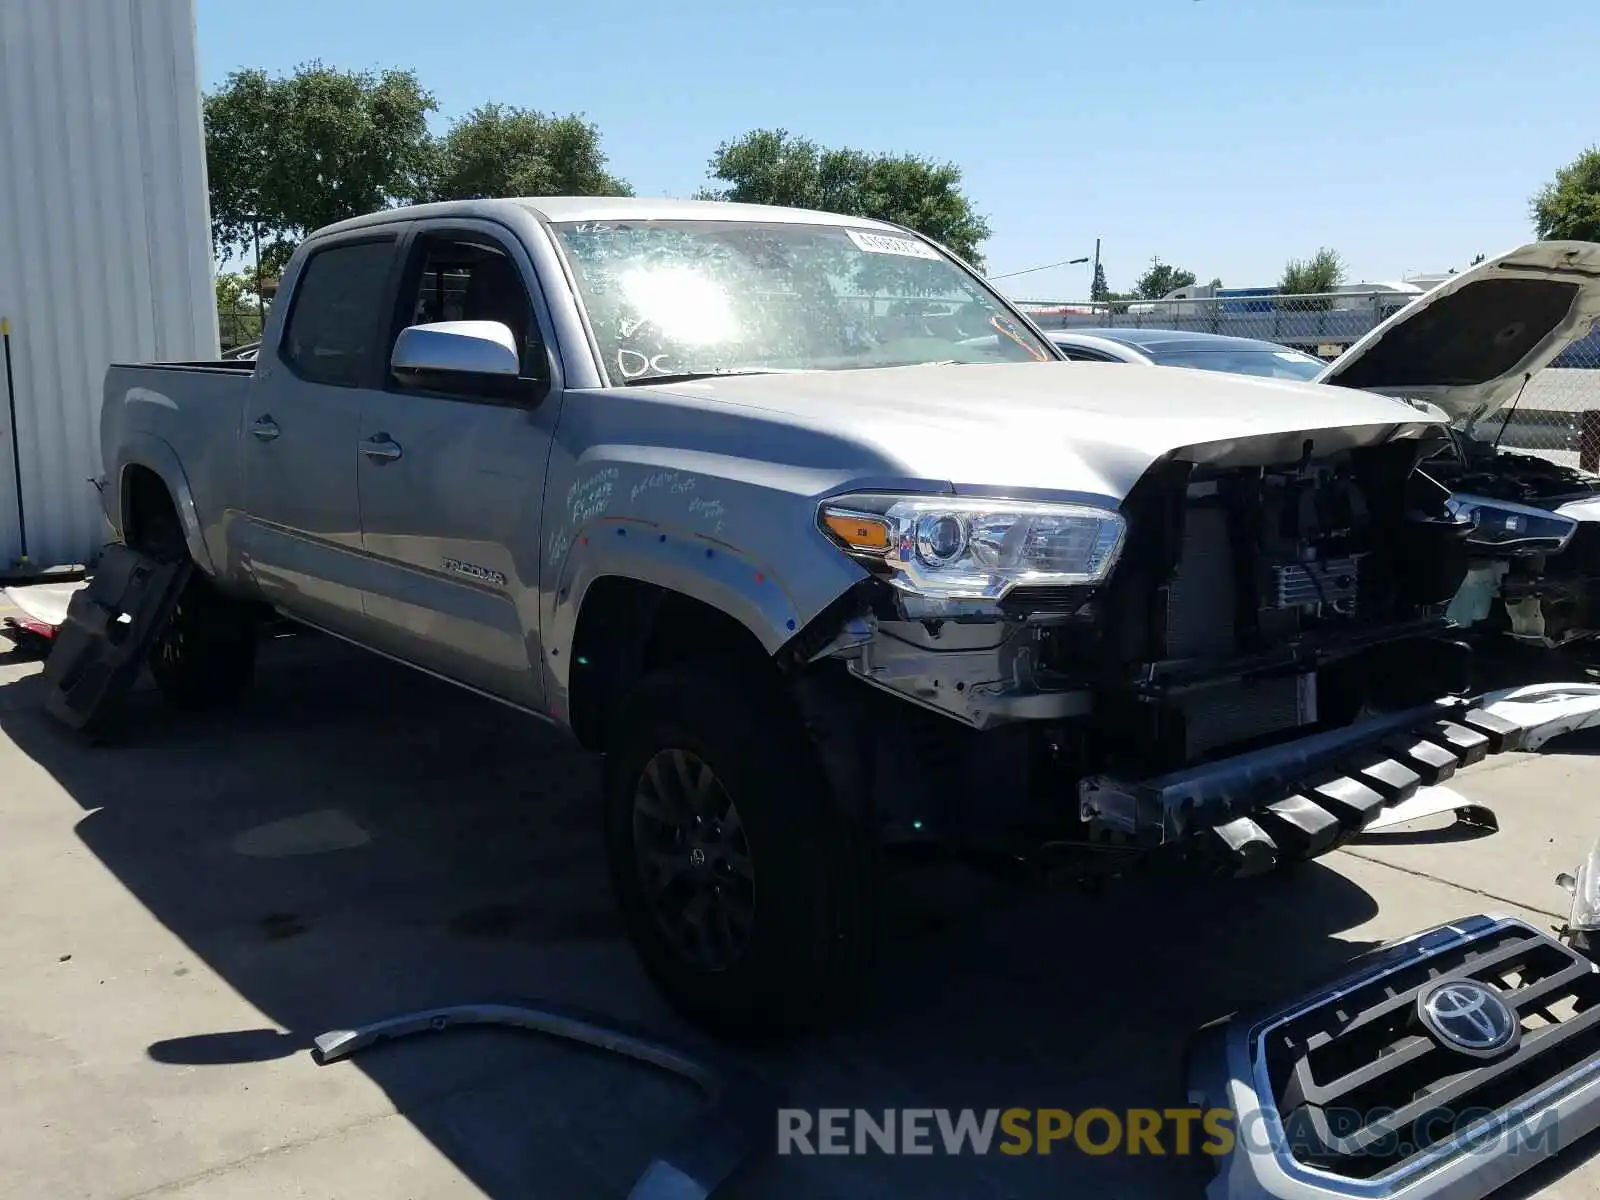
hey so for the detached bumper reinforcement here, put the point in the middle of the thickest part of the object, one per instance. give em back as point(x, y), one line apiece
point(1378, 1085)
point(1301, 798)
point(733, 1126)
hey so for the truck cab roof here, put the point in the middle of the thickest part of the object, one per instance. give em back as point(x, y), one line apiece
point(610, 208)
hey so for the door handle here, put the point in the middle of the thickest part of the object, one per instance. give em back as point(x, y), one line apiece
point(381, 448)
point(265, 428)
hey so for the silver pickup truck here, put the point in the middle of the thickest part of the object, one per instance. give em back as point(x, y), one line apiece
point(825, 546)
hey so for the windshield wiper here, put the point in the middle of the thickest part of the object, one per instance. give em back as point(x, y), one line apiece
point(690, 376)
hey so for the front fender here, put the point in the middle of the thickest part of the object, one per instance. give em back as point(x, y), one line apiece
point(738, 534)
point(711, 572)
point(142, 449)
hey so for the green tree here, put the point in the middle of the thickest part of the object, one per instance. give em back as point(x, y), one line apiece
point(1322, 272)
point(1568, 207)
point(1160, 279)
point(239, 309)
point(235, 290)
point(772, 166)
point(499, 150)
point(1478, 259)
point(1099, 289)
point(288, 154)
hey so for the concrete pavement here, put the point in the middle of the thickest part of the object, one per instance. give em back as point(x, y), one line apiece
point(186, 908)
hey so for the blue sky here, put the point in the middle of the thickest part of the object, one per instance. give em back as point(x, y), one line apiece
point(1222, 135)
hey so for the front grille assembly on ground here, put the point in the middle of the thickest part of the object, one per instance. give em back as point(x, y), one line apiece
point(1303, 797)
point(1442, 1065)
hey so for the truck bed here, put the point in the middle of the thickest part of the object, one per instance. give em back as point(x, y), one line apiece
point(180, 419)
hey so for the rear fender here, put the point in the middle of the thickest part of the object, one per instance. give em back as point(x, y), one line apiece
point(140, 449)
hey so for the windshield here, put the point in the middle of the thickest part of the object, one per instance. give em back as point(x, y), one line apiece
point(1274, 364)
point(676, 298)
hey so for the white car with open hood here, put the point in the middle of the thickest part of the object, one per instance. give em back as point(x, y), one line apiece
point(1466, 350)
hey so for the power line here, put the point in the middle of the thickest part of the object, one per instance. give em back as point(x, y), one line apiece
point(1066, 262)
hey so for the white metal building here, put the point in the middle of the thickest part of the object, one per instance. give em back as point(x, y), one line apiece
point(105, 243)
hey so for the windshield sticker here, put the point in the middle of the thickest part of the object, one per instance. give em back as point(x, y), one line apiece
point(877, 243)
point(1010, 330)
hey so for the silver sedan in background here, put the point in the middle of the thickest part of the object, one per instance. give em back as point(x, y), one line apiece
point(1177, 348)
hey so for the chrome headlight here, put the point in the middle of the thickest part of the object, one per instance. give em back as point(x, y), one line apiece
point(1504, 527)
point(1584, 916)
point(975, 549)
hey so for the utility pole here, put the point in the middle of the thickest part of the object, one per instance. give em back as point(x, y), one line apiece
point(1094, 273)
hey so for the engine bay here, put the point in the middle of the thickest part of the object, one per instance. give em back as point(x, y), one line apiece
point(1544, 592)
point(1479, 468)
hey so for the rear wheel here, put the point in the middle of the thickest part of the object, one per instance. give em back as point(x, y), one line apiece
point(205, 655)
point(750, 898)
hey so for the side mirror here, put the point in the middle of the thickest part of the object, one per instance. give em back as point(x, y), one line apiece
point(455, 348)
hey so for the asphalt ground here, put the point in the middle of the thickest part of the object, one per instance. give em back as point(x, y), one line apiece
point(186, 907)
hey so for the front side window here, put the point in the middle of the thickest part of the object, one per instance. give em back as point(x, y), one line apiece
point(336, 313)
point(465, 280)
point(672, 298)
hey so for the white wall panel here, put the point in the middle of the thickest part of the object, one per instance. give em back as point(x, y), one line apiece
point(105, 246)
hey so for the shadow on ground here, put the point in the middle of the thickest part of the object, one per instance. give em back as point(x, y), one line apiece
point(358, 841)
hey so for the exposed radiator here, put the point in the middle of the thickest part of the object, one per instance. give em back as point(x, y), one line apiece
point(1239, 712)
point(1201, 595)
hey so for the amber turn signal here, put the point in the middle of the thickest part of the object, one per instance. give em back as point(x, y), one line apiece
point(858, 532)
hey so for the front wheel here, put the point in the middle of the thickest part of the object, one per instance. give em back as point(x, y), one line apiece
point(749, 897)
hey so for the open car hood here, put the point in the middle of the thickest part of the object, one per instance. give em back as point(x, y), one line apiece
point(1467, 345)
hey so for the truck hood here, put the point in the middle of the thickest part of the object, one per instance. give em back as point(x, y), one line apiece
point(1090, 428)
point(1468, 344)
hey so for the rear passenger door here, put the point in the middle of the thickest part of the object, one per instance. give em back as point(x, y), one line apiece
point(300, 536)
point(451, 482)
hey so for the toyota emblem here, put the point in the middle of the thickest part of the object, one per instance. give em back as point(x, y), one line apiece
point(1469, 1018)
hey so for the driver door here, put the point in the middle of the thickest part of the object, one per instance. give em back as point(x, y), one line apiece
point(451, 481)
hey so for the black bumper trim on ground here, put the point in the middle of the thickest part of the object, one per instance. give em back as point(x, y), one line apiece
point(1275, 803)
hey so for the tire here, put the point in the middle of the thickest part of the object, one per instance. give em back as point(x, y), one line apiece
point(791, 919)
point(205, 656)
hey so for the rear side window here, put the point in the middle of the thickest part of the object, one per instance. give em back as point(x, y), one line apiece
point(335, 315)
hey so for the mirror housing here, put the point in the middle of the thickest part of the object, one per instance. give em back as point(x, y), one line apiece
point(473, 358)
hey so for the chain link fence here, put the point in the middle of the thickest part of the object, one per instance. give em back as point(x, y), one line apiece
point(239, 325)
point(1557, 416)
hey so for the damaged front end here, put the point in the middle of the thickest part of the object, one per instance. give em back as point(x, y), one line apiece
point(1252, 647)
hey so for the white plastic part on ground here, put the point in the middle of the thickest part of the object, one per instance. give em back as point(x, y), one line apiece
point(1546, 710)
point(44, 602)
point(1424, 802)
